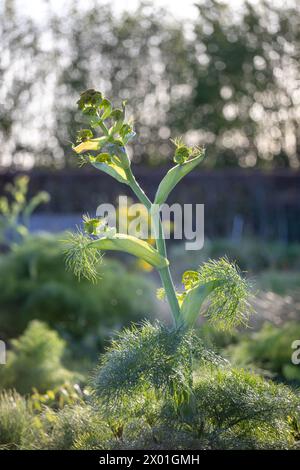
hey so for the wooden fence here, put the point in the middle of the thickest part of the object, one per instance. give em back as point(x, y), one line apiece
point(237, 202)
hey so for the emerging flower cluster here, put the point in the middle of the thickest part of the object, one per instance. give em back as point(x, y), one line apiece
point(183, 153)
point(116, 133)
point(80, 259)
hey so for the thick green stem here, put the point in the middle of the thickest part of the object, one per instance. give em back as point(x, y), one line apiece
point(167, 282)
point(166, 277)
point(137, 189)
point(164, 273)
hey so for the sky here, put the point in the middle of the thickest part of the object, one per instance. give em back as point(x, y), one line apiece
point(178, 8)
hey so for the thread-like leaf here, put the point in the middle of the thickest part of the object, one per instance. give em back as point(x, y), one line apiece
point(221, 284)
point(229, 301)
point(149, 357)
point(80, 259)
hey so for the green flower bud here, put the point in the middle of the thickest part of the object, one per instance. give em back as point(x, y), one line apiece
point(182, 152)
point(96, 99)
point(190, 279)
point(125, 129)
point(117, 114)
point(106, 107)
point(181, 155)
point(126, 133)
point(118, 143)
point(89, 101)
point(161, 293)
point(83, 135)
point(90, 225)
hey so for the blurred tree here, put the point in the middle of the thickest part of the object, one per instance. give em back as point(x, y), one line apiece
point(25, 127)
point(227, 79)
point(244, 100)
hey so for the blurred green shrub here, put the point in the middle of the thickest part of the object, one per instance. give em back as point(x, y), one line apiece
point(249, 254)
point(217, 339)
point(280, 282)
point(16, 209)
point(269, 349)
point(35, 423)
point(35, 284)
point(35, 361)
point(68, 425)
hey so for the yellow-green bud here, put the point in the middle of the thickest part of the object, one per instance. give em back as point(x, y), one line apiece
point(83, 135)
point(89, 101)
point(181, 154)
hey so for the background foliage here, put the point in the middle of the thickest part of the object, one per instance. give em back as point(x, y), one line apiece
point(35, 284)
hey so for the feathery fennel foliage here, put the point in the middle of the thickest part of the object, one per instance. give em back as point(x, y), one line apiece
point(149, 358)
point(218, 291)
point(228, 409)
point(16, 210)
point(243, 410)
point(229, 302)
point(35, 360)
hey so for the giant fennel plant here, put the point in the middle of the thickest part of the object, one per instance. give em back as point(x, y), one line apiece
point(152, 373)
point(152, 355)
point(218, 282)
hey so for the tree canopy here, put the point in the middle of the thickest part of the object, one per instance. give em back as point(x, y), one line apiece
point(225, 79)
